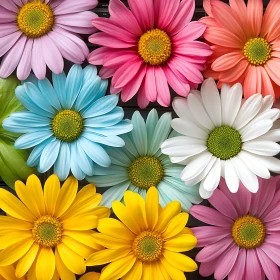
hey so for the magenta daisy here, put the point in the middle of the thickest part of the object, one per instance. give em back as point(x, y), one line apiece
point(244, 239)
point(150, 47)
point(39, 33)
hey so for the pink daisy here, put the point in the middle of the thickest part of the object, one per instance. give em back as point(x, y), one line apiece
point(36, 33)
point(244, 239)
point(149, 47)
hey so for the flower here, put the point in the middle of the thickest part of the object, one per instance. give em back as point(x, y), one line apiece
point(68, 123)
point(245, 45)
point(36, 33)
point(223, 137)
point(149, 47)
point(91, 276)
point(140, 165)
point(48, 233)
point(243, 239)
point(146, 242)
point(9, 272)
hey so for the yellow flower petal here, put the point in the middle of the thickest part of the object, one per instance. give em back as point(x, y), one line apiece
point(91, 276)
point(158, 269)
point(82, 222)
point(181, 243)
point(63, 271)
point(26, 261)
point(81, 249)
point(45, 265)
point(152, 204)
point(14, 207)
point(124, 215)
point(101, 212)
point(169, 211)
point(146, 271)
point(173, 272)
point(115, 229)
point(8, 273)
point(66, 196)
point(118, 269)
point(14, 252)
point(135, 272)
point(111, 242)
point(176, 225)
point(15, 237)
point(11, 223)
point(106, 256)
point(51, 193)
point(180, 261)
point(56, 275)
point(186, 230)
point(71, 259)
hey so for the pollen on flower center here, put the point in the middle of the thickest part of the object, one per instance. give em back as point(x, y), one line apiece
point(35, 19)
point(67, 125)
point(47, 231)
point(248, 232)
point(145, 172)
point(224, 142)
point(148, 246)
point(257, 51)
point(155, 47)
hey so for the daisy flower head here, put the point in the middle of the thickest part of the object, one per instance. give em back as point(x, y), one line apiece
point(47, 234)
point(140, 165)
point(69, 124)
point(39, 33)
point(226, 136)
point(242, 241)
point(150, 47)
point(245, 45)
point(147, 241)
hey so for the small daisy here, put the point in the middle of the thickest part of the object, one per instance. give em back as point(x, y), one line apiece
point(224, 136)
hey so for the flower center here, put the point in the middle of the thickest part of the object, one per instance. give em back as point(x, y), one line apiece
point(147, 246)
point(224, 142)
point(47, 231)
point(67, 125)
point(248, 232)
point(145, 172)
point(155, 47)
point(35, 19)
point(257, 51)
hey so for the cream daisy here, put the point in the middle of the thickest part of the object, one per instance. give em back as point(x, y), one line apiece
point(224, 136)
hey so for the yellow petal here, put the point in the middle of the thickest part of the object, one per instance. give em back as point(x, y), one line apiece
point(106, 256)
point(152, 204)
point(56, 275)
point(176, 225)
point(124, 215)
point(173, 272)
point(8, 273)
point(158, 269)
point(45, 265)
point(15, 237)
point(31, 275)
point(181, 243)
point(13, 224)
point(186, 230)
point(180, 261)
point(51, 193)
point(26, 261)
point(101, 212)
point(63, 271)
point(14, 207)
point(66, 196)
point(118, 269)
point(71, 259)
point(169, 211)
point(91, 276)
point(115, 229)
point(14, 252)
point(135, 272)
point(146, 271)
point(111, 242)
point(81, 222)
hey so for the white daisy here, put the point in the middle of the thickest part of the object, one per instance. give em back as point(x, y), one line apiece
point(224, 136)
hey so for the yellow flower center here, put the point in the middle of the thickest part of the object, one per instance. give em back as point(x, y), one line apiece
point(145, 172)
point(248, 232)
point(155, 47)
point(47, 231)
point(35, 19)
point(67, 125)
point(257, 51)
point(148, 246)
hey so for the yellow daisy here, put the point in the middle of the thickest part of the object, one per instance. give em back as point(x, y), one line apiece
point(146, 243)
point(48, 233)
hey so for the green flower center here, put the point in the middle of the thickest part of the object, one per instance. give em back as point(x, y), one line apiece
point(155, 47)
point(145, 172)
point(67, 125)
point(257, 51)
point(35, 19)
point(224, 142)
point(248, 232)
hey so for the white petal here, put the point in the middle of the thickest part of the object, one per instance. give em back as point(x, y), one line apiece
point(262, 147)
point(231, 176)
point(267, 103)
point(203, 193)
point(272, 163)
point(211, 181)
point(272, 135)
point(272, 114)
point(178, 159)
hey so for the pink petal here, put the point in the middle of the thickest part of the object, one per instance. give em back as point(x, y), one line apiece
point(238, 269)
point(267, 88)
point(163, 97)
point(77, 29)
point(273, 215)
point(272, 67)
point(8, 28)
point(96, 57)
point(193, 48)
point(207, 268)
point(24, 66)
point(150, 87)
point(143, 102)
point(271, 252)
point(106, 40)
point(255, 15)
point(117, 58)
point(114, 90)
point(235, 73)
point(37, 61)
point(252, 82)
point(253, 266)
point(9, 5)
point(8, 42)
point(272, 205)
point(271, 16)
point(106, 73)
point(70, 6)
point(227, 61)
point(6, 15)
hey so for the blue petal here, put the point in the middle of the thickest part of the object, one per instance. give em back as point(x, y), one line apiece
point(113, 141)
point(107, 181)
point(119, 156)
point(137, 190)
point(151, 123)
point(90, 71)
point(173, 170)
point(111, 170)
point(59, 82)
point(62, 164)
point(130, 145)
point(49, 156)
point(102, 90)
point(31, 79)
point(32, 139)
point(76, 170)
point(85, 163)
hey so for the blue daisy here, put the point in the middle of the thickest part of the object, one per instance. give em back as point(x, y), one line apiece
point(69, 124)
point(140, 164)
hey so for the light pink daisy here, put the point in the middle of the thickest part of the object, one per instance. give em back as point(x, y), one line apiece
point(149, 47)
point(244, 239)
point(36, 33)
